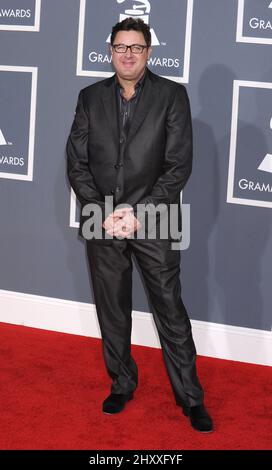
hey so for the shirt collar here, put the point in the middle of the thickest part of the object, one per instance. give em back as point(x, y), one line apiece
point(138, 84)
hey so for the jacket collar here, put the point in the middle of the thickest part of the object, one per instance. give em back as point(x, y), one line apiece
point(144, 105)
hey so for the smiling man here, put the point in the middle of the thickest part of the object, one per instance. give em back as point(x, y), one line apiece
point(131, 139)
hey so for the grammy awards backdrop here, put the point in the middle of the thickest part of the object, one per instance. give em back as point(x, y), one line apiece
point(221, 51)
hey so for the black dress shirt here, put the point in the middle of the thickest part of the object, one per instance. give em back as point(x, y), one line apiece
point(127, 107)
point(126, 110)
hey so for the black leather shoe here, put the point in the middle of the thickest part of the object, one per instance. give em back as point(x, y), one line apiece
point(115, 403)
point(199, 417)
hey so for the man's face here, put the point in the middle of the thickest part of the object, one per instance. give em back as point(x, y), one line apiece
point(127, 65)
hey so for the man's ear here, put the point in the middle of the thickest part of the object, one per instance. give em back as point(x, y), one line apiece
point(149, 51)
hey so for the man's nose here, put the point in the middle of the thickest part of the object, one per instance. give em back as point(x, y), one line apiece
point(128, 52)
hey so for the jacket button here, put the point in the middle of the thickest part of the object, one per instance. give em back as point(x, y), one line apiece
point(116, 190)
point(118, 165)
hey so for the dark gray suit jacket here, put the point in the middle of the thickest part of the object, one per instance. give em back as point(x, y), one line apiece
point(157, 160)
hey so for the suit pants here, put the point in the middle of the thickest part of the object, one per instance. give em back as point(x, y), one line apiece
point(111, 271)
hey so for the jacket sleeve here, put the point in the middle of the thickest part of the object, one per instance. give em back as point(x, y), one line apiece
point(177, 164)
point(80, 177)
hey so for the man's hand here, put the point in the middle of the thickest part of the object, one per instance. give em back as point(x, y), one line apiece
point(110, 221)
point(121, 223)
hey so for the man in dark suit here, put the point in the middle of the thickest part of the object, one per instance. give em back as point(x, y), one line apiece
point(131, 140)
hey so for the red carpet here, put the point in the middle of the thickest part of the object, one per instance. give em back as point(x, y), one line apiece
point(53, 384)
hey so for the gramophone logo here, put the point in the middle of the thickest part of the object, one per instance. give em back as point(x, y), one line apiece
point(23, 15)
point(254, 21)
point(3, 141)
point(250, 161)
point(266, 164)
point(139, 11)
point(171, 40)
point(17, 121)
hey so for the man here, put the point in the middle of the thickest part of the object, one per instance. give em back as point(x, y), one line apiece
point(131, 139)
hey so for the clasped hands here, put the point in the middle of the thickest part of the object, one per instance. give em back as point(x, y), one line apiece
point(121, 223)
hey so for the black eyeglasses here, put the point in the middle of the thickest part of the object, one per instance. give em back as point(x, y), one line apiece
point(135, 48)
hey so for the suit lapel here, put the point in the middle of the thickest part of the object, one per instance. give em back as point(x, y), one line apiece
point(110, 107)
point(144, 105)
